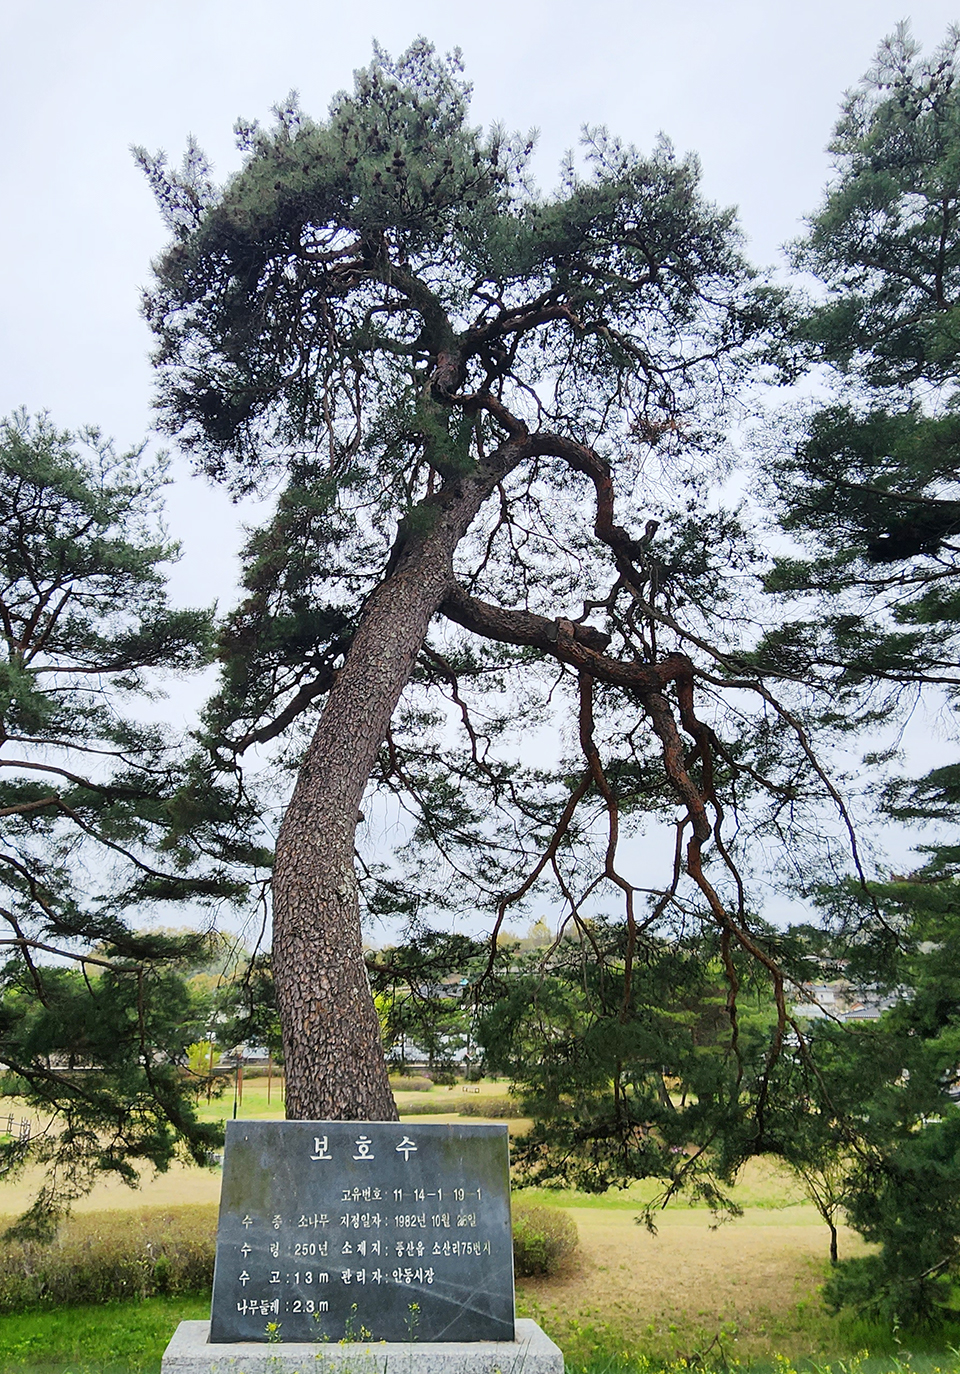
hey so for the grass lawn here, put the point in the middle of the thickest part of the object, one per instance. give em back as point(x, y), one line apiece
point(119, 1335)
point(746, 1291)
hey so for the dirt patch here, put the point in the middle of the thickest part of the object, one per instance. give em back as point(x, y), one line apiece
point(750, 1284)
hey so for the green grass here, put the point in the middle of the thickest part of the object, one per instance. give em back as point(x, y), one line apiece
point(861, 1363)
point(130, 1336)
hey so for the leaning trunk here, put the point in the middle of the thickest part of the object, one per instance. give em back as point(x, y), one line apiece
point(334, 1058)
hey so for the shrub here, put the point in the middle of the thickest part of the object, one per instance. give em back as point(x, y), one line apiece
point(413, 1084)
point(497, 1107)
point(545, 1240)
point(98, 1257)
point(101, 1256)
point(443, 1107)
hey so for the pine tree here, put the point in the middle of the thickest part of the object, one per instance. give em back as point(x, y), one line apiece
point(98, 822)
point(495, 421)
point(867, 485)
point(462, 387)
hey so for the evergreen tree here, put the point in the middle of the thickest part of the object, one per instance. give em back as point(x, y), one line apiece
point(887, 1099)
point(868, 482)
point(632, 1076)
point(98, 821)
point(495, 418)
point(867, 485)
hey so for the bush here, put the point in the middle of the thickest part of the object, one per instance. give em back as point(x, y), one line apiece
point(441, 1107)
point(497, 1107)
point(101, 1256)
point(545, 1241)
point(413, 1084)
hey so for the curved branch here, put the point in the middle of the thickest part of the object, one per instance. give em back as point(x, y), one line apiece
point(299, 702)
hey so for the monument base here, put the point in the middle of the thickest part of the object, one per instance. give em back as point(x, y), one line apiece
point(190, 1352)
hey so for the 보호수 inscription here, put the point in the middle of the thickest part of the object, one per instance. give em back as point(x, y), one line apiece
point(333, 1230)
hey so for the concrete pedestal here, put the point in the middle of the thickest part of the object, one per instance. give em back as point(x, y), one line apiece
point(190, 1352)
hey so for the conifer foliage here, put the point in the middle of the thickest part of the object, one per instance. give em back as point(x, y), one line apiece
point(494, 419)
point(96, 829)
point(867, 485)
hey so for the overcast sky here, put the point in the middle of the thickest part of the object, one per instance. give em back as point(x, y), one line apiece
point(752, 86)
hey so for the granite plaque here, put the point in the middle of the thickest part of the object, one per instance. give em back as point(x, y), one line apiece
point(344, 1230)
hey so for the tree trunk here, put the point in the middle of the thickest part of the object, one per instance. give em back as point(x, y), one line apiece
point(335, 1068)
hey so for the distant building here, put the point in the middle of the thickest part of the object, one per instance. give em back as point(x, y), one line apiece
point(841, 1001)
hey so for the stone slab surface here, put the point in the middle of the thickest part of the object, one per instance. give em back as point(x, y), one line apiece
point(190, 1352)
point(376, 1230)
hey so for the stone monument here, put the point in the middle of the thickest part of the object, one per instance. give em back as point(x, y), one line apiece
point(343, 1242)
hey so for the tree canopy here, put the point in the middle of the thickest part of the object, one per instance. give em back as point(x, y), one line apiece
point(866, 485)
point(463, 387)
point(97, 823)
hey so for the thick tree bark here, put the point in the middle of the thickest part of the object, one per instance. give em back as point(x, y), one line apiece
point(331, 1034)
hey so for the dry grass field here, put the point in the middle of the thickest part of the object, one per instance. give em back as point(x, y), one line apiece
point(254, 1103)
point(187, 1184)
point(745, 1289)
